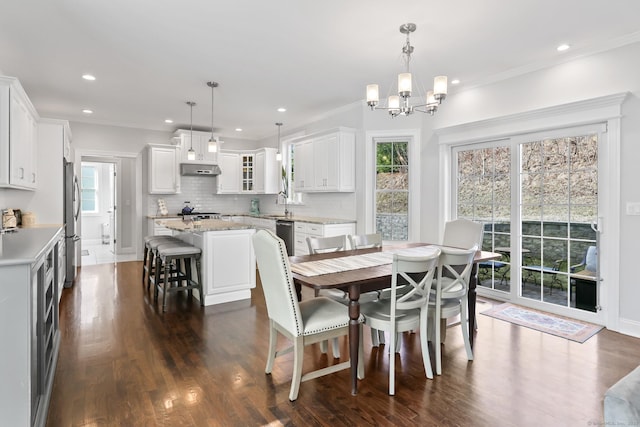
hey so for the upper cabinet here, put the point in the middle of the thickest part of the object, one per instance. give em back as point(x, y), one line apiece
point(325, 162)
point(163, 169)
point(200, 145)
point(18, 137)
point(249, 172)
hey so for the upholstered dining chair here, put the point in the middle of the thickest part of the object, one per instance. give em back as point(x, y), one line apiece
point(450, 297)
point(303, 323)
point(405, 311)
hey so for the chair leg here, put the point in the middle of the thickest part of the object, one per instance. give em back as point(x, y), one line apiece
point(167, 273)
point(335, 348)
point(323, 346)
point(273, 340)
point(465, 328)
point(298, 353)
point(199, 277)
point(424, 344)
point(156, 280)
point(144, 262)
point(375, 340)
point(437, 342)
point(392, 361)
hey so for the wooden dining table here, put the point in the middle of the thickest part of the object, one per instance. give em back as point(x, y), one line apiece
point(361, 280)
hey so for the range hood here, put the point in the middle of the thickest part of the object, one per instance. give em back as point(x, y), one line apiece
point(192, 169)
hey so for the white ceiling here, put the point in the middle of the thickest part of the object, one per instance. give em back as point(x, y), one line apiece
point(151, 56)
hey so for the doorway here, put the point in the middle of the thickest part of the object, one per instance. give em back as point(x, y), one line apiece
point(98, 206)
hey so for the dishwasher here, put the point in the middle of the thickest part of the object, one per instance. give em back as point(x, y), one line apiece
point(285, 230)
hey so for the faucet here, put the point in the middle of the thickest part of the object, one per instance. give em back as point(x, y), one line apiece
point(286, 207)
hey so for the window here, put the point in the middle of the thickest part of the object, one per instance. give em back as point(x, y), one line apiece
point(392, 190)
point(89, 197)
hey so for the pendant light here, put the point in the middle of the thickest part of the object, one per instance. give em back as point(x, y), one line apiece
point(213, 143)
point(191, 154)
point(278, 154)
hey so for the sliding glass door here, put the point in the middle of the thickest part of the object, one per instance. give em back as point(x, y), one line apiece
point(537, 196)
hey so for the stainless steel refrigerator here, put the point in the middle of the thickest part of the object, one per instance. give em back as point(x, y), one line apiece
point(71, 212)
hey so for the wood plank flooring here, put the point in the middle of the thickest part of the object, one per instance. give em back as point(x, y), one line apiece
point(124, 363)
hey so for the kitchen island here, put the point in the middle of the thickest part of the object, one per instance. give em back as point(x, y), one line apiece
point(228, 261)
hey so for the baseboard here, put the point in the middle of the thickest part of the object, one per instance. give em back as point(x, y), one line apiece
point(629, 327)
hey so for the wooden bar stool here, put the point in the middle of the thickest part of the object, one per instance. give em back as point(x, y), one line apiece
point(169, 253)
point(151, 244)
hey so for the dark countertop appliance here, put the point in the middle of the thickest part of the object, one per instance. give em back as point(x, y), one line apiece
point(285, 231)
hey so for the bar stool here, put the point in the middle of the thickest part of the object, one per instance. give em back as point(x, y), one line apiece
point(150, 245)
point(169, 253)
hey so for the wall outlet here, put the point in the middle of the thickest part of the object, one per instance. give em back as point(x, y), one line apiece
point(633, 208)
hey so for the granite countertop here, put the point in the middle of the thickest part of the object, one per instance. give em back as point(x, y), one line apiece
point(300, 218)
point(202, 225)
point(26, 245)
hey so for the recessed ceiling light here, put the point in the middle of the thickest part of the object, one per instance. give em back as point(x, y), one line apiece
point(168, 121)
point(89, 77)
point(455, 82)
point(562, 47)
point(87, 111)
point(238, 129)
point(282, 109)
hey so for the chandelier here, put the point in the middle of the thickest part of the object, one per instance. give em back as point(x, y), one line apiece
point(400, 104)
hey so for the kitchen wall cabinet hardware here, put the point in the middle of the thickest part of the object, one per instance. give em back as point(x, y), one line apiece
point(163, 167)
point(182, 138)
point(18, 137)
point(305, 229)
point(249, 172)
point(325, 162)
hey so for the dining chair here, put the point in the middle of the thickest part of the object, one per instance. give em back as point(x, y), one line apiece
point(303, 323)
point(463, 233)
point(406, 311)
point(450, 297)
point(366, 241)
point(319, 245)
point(338, 243)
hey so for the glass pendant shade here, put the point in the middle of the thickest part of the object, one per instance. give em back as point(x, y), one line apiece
point(213, 146)
point(279, 156)
point(440, 85)
point(394, 102)
point(372, 94)
point(404, 84)
point(191, 154)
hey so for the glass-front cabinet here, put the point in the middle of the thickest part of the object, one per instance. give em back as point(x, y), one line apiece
point(247, 172)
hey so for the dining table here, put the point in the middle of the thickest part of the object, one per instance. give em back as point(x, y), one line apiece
point(365, 274)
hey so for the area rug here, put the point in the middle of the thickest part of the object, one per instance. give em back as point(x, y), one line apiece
point(571, 329)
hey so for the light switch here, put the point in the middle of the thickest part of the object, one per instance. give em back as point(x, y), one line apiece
point(633, 208)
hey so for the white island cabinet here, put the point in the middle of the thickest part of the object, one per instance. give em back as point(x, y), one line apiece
point(228, 262)
point(29, 331)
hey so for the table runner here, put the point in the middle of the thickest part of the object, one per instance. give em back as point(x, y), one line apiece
point(356, 262)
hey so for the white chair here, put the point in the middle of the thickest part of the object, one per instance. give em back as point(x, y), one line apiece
point(407, 311)
point(366, 241)
point(450, 299)
point(463, 233)
point(303, 323)
point(319, 245)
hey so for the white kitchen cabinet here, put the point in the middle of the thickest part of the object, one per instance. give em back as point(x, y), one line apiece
point(325, 162)
point(249, 172)
point(29, 324)
point(229, 178)
point(163, 167)
point(306, 229)
point(18, 137)
point(228, 264)
point(200, 145)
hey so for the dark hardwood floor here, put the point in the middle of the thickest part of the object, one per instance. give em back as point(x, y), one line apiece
point(124, 363)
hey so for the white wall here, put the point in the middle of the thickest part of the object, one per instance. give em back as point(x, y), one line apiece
point(589, 77)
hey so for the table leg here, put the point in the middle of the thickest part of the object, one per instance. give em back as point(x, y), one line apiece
point(354, 334)
point(471, 302)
